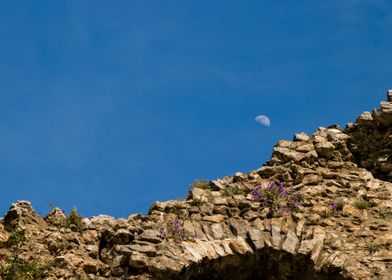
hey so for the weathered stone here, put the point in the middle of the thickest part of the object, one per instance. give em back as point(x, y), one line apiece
point(198, 194)
point(192, 248)
point(311, 179)
point(138, 260)
point(20, 212)
point(324, 149)
point(276, 237)
point(299, 228)
point(349, 210)
point(238, 227)
point(56, 242)
point(301, 137)
point(239, 177)
point(305, 148)
point(385, 239)
point(239, 245)
point(217, 231)
point(306, 246)
point(150, 235)
point(286, 154)
point(188, 227)
point(3, 236)
point(389, 95)
point(220, 201)
point(214, 218)
point(256, 238)
point(122, 236)
point(290, 243)
point(268, 171)
point(146, 249)
point(91, 267)
point(219, 184)
point(365, 118)
point(316, 251)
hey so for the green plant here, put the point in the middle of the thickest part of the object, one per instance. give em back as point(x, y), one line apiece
point(339, 205)
point(17, 238)
point(232, 190)
point(74, 219)
point(14, 268)
point(373, 247)
point(362, 204)
point(385, 213)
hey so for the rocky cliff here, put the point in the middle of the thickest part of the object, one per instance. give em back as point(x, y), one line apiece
point(321, 208)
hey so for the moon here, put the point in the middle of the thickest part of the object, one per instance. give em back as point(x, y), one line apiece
point(264, 120)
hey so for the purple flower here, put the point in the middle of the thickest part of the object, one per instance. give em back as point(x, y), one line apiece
point(176, 224)
point(297, 203)
point(257, 193)
point(276, 197)
point(163, 232)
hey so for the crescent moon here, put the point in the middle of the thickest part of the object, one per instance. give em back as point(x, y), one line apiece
point(264, 120)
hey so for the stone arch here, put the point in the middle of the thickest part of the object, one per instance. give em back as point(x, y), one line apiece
point(265, 257)
point(264, 264)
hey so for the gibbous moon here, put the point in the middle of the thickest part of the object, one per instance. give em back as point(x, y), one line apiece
point(264, 120)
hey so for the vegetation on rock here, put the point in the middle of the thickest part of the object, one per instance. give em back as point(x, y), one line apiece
point(12, 267)
point(276, 198)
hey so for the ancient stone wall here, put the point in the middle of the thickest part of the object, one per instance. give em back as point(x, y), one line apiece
point(371, 140)
point(341, 228)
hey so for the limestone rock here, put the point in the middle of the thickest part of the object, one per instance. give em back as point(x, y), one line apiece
point(324, 149)
point(152, 236)
point(19, 213)
point(301, 137)
point(286, 154)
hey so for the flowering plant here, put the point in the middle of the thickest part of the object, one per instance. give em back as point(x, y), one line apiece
point(334, 209)
point(278, 199)
point(174, 230)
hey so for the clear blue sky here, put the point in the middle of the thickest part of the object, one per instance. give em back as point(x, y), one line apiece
point(112, 105)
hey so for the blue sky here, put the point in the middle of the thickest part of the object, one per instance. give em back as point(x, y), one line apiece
point(110, 106)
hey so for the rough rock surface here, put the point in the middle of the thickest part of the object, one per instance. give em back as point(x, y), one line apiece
point(218, 232)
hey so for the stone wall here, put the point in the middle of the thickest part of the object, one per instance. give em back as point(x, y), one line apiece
point(371, 140)
point(219, 232)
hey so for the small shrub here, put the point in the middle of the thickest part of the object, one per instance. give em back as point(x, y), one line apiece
point(232, 190)
point(277, 199)
point(385, 213)
point(74, 219)
point(201, 184)
point(361, 204)
point(339, 205)
point(373, 248)
point(17, 238)
point(334, 209)
point(14, 268)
